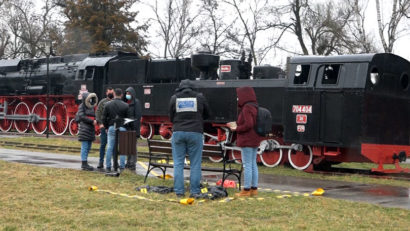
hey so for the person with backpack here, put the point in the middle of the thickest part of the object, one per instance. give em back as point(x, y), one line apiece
point(247, 138)
point(85, 117)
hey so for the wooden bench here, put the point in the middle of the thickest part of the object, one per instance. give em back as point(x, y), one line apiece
point(160, 154)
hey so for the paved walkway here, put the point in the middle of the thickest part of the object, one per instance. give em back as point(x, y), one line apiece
point(388, 196)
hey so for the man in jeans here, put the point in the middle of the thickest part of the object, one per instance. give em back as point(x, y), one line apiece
point(114, 111)
point(103, 133)
point(187, 110)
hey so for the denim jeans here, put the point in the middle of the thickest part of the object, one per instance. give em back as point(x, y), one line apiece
point(111, 145)
point(85, 149)
point(103, 143)
point(190, 143)
point(250, 167)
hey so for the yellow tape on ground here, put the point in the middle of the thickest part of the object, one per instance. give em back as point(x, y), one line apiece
point(190, 201)
point(146, 167)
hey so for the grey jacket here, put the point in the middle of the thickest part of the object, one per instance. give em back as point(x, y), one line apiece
point(100, 110)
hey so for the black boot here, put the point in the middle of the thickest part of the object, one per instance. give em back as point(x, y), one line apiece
point(100, 165)
point(85, 166)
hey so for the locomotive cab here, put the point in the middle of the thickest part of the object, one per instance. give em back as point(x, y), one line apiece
point(356, 102)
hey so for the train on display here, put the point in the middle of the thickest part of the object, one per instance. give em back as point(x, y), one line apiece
point(325, 110)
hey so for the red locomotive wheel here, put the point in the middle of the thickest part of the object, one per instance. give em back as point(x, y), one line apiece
point(146, 131)
point(300, 159)
point(272, 158)
point(6, 124)
point(40, 126)
point(236, 155)
point(22, 126)
point(165, 132)
point(215, 159)
point(60, 125)
point(73, 127)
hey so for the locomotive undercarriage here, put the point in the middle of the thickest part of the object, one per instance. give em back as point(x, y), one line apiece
point(26, 113)
point(274, 151)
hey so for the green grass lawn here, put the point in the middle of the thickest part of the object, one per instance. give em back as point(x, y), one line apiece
point(39, 198)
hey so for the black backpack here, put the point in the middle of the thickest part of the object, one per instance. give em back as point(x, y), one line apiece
point(263, 121)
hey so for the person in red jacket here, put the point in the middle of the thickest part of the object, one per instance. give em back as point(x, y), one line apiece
point(247, 138)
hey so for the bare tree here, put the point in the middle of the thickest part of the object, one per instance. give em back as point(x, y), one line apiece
point(177, 26)
point(361, 41)
point(217, 28)
point(253, 25)
point(389, 32)
point(320, 28)
point(4, 41)
point(28, 28)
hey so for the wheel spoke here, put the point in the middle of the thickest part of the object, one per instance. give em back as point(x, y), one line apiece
point(40, 110)
point(73, 127)
point(60, 125)
point(272, 158)
point(22, 126)
point(300, 159)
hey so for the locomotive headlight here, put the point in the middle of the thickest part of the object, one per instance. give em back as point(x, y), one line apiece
point(374, 78)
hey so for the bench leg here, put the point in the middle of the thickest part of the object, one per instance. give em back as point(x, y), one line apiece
point(146, 175)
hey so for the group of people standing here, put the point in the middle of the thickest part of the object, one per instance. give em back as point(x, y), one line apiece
point(108, 116)
point(187, 111)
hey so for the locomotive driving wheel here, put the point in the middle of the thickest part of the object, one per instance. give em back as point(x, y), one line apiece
point(215, 159)
point(58, 118)
point(22, 126)
point(73, 127)
point(300, 159)
point(40, 110)
point(236, 155)
point(147, 131)
point(271, 158)
point(6, 124)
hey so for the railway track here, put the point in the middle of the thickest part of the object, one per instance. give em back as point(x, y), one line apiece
point(37, 135)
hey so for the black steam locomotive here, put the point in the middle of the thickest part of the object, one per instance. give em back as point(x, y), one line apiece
point(324, 109)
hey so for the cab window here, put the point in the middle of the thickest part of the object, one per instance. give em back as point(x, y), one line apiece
point(301, 74)
point(331, 74)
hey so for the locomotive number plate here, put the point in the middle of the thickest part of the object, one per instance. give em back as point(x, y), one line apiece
point(147, 105)
point(225, 68)
point(300, 128)
point(302, 108)
point(147, 91)
point(301, 119)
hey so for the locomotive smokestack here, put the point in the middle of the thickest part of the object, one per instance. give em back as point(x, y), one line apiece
point(206, 63)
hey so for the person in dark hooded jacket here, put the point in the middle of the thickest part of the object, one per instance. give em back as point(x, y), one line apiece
point(86, 119)
point(187, 110)
point(134, 111)
point(247, 138)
